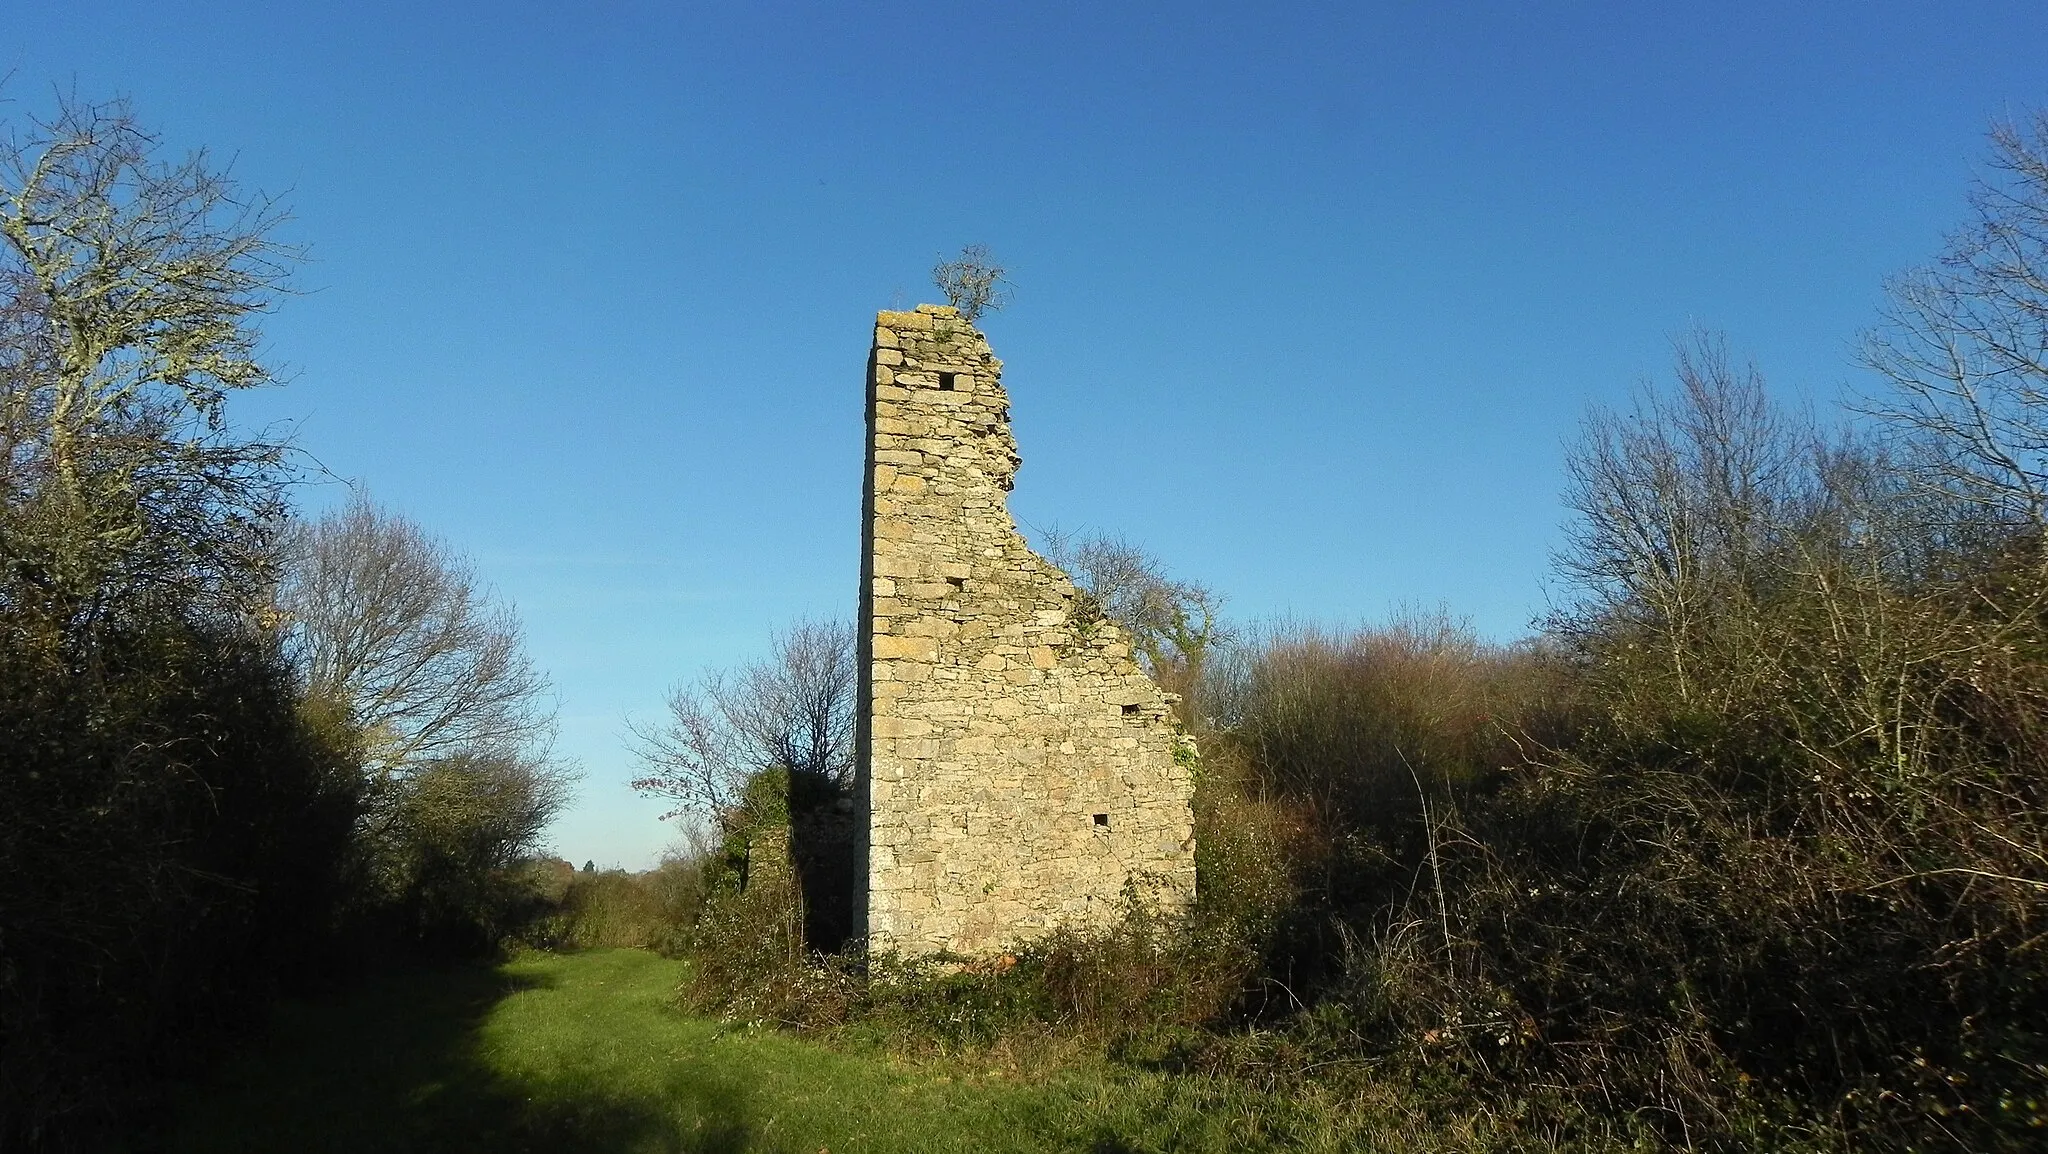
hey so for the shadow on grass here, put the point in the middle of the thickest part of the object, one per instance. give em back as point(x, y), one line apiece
point(400, 1067)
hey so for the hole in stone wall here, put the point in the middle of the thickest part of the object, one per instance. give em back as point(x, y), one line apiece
point(1131, 708)
point(946, 380)
point(1101, 821)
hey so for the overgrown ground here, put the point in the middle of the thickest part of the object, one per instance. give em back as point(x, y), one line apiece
point(585, 1052)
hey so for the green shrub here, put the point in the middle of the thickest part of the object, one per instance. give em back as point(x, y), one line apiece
point(572, 910)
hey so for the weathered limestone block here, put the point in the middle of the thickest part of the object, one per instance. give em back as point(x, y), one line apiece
point(1016, 770)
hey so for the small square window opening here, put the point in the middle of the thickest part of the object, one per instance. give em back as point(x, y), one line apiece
point(1101, 821)
point(946, 381)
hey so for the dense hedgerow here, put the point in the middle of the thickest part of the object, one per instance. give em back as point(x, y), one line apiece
point(189, 825)
point(1753, 854)
point(177, 841)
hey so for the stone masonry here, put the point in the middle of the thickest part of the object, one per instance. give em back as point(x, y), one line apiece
point(1016, 769)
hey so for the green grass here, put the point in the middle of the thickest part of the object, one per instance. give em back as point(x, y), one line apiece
point(584, 1052)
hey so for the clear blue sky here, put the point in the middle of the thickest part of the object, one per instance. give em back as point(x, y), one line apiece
point(1308, 295)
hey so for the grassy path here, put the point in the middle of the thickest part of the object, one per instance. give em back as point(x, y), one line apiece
point(583, 1053)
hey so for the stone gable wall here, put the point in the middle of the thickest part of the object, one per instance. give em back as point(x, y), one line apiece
point(1017, 770)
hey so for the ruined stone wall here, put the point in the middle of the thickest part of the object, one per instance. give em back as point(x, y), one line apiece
point(1016, 768)
point(768, 859)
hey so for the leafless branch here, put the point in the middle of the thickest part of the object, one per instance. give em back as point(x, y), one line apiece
point(973, 282)
point(1964, 343)
point(390, 624)
point(792, 710)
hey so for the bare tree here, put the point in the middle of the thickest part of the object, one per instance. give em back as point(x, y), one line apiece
point(1964, 342)
point(131, 287)
point(1686, 499)
point(1176, 626)
point(388, 624)
point(792, 710)
point(973, 282)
